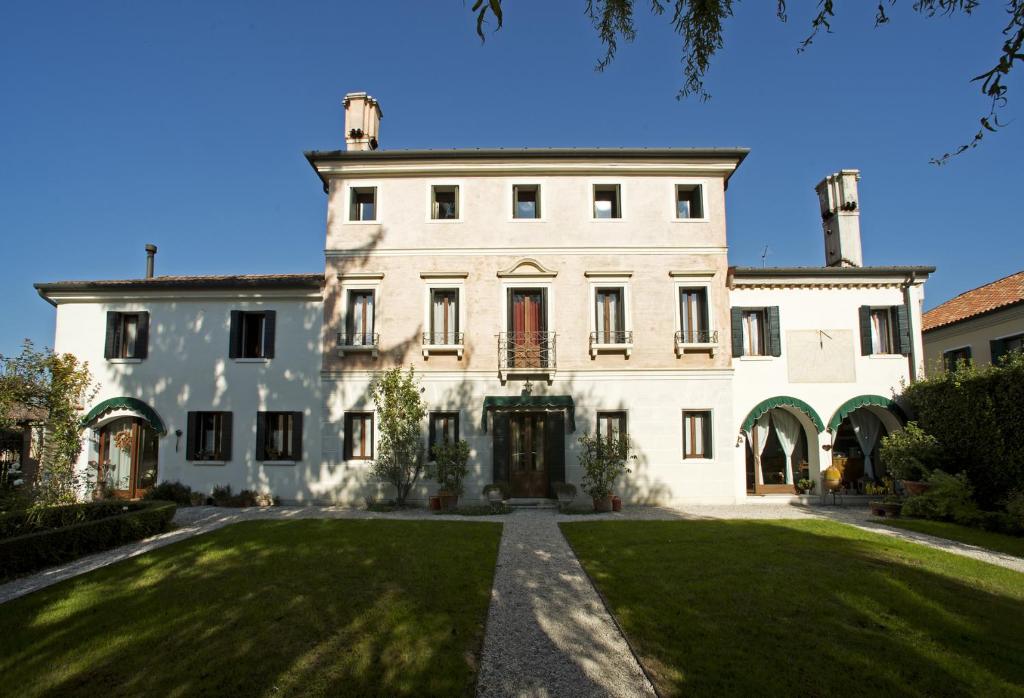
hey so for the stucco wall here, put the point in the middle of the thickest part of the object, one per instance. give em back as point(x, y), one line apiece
point(975, 333)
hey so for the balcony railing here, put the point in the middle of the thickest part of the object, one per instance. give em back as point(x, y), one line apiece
point(526, 352)
point(696, 340)
point(358, 342)
point(611, 340)
point(443, 342)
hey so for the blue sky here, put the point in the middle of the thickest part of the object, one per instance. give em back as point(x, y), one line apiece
point(183, 124)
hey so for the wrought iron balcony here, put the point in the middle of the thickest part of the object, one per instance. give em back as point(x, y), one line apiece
point(526, 352)
point(611, 340)
point(358, 342)
point(696, 340)
point(443, 342)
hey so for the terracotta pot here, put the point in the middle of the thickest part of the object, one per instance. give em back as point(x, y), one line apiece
point(435, 503)
point(892, 509)
point(877, 508)
point(603, 504)
point(448, 501)
point(616, 503)
point(914, 487)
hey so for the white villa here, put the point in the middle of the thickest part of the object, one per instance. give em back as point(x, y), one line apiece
point(539, 294)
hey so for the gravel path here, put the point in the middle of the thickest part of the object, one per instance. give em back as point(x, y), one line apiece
point(548, 632)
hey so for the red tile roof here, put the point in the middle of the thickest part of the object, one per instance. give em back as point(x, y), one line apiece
point(998, 294)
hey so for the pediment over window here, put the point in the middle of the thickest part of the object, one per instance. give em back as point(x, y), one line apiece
point(528, 268)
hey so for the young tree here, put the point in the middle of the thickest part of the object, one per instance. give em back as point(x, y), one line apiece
point(54, 385)
point(400, 413)
point(700, 25)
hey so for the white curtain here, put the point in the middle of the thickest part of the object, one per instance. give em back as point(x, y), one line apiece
point(787, 429)
point(758, 438)
point(867, 427)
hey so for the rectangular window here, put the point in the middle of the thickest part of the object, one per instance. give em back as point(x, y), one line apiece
point(609, 316)
point(359, 319)
point(127, 335)
point(526, 201)
point(444, 202)
point(753, 332)
point(696, 434)
point(278, 436)
point(954, 357)
point(444, 316)
point(252, 334)
point(1003, 346)
point(363, 204)
point(883, 339)
point(444, 426)
point(358, 435)
point(607, 202)
point(611, 425)
point(209, 436)
point(689, 203)
point(693, 315)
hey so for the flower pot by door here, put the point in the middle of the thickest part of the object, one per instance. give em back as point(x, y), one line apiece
point(435, 503)
point(616, 503)
point(448, 501)
point(603, 504)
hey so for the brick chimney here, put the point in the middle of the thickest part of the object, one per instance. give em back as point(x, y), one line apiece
point(840, 218)
point(362, 121)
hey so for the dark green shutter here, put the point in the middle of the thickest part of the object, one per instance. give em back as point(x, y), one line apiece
point(296, 446)
point(500, 445)
point(235, 335)
point(261, 435)
point(554, 448)
point(737, 331)
point(865, 330)
point(142, 339)
point(704, 319)
point(774, 333)
point(110, 346)
point(903, 343)
point(269, 330)
point(192, 436)
point(346, 437)
point(998, 349)
point(431, 435)
point(225, 436)
point(709, 451)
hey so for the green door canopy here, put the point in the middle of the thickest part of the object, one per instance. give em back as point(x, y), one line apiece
point(559, 402)
point(864, 401)
point(782, 401)
point(146, 412)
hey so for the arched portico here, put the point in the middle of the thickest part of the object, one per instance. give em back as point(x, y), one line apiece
point(856, 430)
point(782, 436)
point(123, 445)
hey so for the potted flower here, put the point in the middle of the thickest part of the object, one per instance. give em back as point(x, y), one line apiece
point(889, 504)
point(496, 493)
point(566, 493)
point(449, 469)
point(603, 461)
point(805, 486)
point(906, 454)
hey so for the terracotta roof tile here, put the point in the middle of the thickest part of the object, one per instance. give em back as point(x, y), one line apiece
point(984, 299)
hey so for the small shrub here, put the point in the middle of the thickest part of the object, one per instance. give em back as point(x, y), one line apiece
point(908, 452)
point(172, 492)
point(499, 486)
point(123, 523)
point(603, 461)
point(380, 506)
point(565, 489)
point(948, 499)
point(221, 495)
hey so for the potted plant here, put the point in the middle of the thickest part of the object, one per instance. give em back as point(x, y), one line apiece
point(889, 504)
point(832, 478)
point(616, 503)
point(496, 493)
point(449, 469)
point(566, 493)
point(906, 454)
point(603, 461)
point(805, 486)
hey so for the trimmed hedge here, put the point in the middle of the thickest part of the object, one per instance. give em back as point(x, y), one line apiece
point(977, 415)
point(103, 525)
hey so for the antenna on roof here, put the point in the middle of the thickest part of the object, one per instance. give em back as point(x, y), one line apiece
point(764, 255)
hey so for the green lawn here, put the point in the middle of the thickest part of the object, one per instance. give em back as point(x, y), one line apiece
point(269, 608)
point(805, 608)
point(1011, 545)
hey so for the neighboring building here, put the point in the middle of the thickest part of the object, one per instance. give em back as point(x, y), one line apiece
point(539, 293)
point(979, 325)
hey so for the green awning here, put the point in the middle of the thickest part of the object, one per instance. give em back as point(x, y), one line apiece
point(144, 411)
point(863, 401)
point(540, 402)
point(782, 401)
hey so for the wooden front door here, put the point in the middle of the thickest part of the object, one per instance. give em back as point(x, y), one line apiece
point(527, 326)
point(527, 462)
point(127, 457)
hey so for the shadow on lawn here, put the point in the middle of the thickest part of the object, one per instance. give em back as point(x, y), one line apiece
point(310, 607)
point(805, 608)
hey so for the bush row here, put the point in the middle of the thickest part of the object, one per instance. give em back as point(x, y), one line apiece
point(951, 498)
point(44, 548)
point(21, 522)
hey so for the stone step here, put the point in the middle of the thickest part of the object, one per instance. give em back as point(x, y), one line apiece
point(532, 503)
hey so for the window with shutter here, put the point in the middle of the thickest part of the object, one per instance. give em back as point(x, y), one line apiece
point(696, 434)
point(252, 334)
point(127, 335)
point(209, 436)
point(279, 436)
point(359, 435)
point(443, 427)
